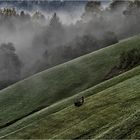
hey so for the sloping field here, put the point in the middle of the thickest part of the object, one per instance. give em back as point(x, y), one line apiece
point(111, 113)
point(53, 85)
point(25, 122)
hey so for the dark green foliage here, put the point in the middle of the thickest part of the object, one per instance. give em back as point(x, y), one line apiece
point(55, 21)
point(84, 44)
point(54, 33)
point(129, 59)
point(93, 6)
point(115, 4)
point(133, 8)
point(79, 46)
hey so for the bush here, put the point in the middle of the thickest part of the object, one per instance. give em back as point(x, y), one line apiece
point(129, 59)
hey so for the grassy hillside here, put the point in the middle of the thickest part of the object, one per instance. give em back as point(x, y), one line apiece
point(111, 113)
point(25, 122)
point(60, 82)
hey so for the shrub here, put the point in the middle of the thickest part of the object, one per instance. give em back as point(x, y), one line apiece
point(129, 59)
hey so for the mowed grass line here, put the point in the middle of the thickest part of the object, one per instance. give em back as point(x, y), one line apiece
point(66, 102)
point(133, 133)
point(99, 110)
point(123, 129)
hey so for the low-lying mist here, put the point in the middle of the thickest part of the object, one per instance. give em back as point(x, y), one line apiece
point(37, 40)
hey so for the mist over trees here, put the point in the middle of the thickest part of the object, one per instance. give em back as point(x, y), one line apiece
point(10, 65)
point(41, 42)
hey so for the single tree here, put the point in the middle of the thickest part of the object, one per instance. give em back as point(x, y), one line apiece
point(10, 65)
point(93, 6)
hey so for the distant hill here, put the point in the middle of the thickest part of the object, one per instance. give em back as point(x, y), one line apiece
point(43, 4)
point(46, 5)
